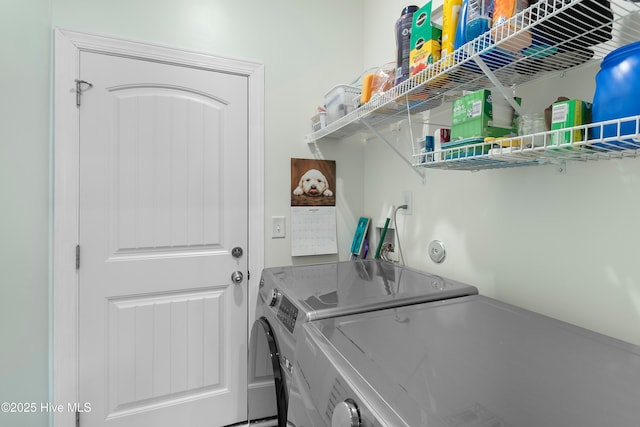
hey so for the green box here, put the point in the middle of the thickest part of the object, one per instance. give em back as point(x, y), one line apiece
point(566, 114)
point(425, 41)
point(472, 117)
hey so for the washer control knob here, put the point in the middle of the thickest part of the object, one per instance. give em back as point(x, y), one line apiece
point(346, 414)
point(275, 296)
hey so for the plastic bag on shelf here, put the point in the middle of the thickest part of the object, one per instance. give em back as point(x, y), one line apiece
point(379, 81)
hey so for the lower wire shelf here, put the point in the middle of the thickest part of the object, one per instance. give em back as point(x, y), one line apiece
point(612, 139)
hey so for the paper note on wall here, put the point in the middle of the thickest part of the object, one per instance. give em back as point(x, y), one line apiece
point(313, 230)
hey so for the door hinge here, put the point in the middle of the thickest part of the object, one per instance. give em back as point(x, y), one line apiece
point(80, 89)
point(77, 257)
point(77, 418)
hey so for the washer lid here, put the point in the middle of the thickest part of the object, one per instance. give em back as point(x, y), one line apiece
point(333, 289)
point(474, 361)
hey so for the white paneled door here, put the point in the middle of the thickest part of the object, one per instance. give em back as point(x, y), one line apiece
point(163, 203)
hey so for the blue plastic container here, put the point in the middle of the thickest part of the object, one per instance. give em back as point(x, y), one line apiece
point(617, 92)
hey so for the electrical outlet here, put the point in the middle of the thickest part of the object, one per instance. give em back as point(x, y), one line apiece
point(407, 199)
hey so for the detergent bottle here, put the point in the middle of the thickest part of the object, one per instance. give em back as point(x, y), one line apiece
point(479, 14)
point(461, 29)
point(450, 15)
point(403, 43)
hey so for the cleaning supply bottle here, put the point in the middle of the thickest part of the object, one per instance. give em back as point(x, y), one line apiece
point(461, 29)
point(403, 43)
point(502, 28)
point(450, 14)
point(479, 17)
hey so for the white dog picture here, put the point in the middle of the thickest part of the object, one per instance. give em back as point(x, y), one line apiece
point(313, 183)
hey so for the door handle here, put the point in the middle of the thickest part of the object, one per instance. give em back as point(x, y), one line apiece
point(236, 277)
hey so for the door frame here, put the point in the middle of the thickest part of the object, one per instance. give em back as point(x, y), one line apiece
point(65, 158)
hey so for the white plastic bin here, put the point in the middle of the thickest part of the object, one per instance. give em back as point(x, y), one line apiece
point(340, 101)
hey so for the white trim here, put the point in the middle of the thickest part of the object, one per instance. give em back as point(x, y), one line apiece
point(68, 45)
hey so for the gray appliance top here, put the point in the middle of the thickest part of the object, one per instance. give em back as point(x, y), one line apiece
point(476, 362)
point(333, 289)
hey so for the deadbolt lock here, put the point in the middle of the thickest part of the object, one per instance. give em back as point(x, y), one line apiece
point(236, 252)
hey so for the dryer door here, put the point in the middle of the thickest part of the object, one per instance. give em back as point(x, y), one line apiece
point(265, 352)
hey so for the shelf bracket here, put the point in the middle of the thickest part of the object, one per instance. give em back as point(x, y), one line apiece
point(404, 159)
point(496, 82)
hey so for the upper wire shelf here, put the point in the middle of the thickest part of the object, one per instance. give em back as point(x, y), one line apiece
point(563, 34)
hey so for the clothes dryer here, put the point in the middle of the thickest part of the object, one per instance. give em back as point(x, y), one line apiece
point(465, 362)
point(290, 297)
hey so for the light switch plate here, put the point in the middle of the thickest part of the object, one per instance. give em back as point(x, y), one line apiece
point(277, 227)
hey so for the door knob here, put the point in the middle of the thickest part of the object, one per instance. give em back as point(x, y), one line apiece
point(236, 277)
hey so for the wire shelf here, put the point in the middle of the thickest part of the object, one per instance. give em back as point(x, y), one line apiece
point(611, 139)
point(563, 34)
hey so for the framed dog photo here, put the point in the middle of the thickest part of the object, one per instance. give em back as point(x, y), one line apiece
point(313, 182)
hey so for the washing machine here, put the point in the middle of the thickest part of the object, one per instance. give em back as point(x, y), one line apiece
point(465, 362)
point(292, 296)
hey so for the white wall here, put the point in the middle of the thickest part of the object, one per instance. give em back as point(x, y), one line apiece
point(24, 207)
point(560, 244)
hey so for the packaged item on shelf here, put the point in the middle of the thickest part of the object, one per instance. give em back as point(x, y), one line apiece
point(506, 9)
point(473, 116)
point(461, 28)
point(450, 15)
point(429, 143)
point(319, 120)
point(547, 111)
point(340, 101)
point(542, 58)
point(564, 114)
point(367, 88)
point(425, 40)
point(479, 17)
point(428, 149)
point(376, 83)
point(466, 148)
point(383, 79)
point(531, 126)
point(440, 136)
point(617, 95)
point(540, 47)
point(503, 27)
point(403, 43)
point(495, 58)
